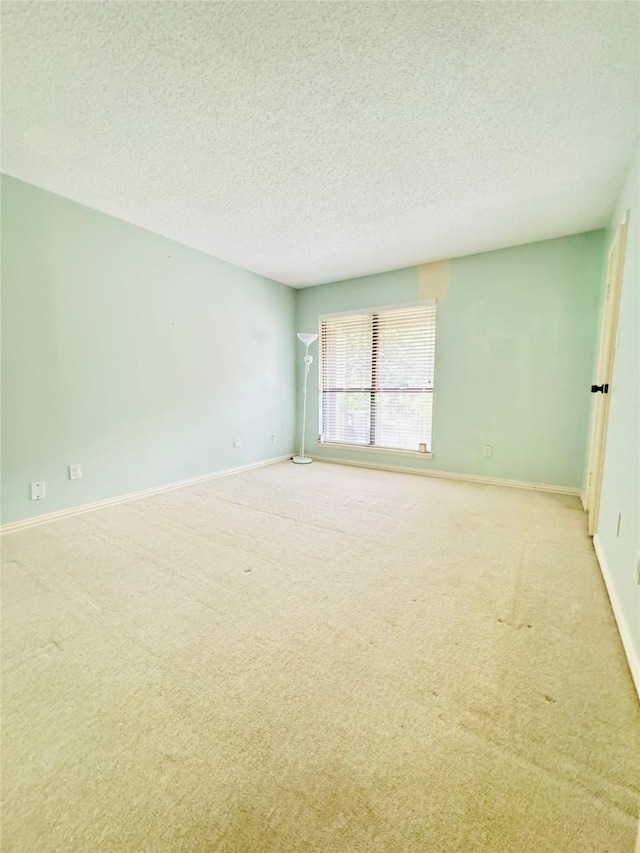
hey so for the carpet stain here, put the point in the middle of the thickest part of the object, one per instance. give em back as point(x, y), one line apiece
point(153, 701)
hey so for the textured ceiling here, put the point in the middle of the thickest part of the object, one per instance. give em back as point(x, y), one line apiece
point(317, 141)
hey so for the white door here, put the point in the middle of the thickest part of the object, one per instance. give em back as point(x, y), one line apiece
point(601, 389)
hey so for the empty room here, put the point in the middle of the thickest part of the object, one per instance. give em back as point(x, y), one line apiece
point(320, 446)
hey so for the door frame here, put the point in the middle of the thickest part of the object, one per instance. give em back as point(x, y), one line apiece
point(604, 375)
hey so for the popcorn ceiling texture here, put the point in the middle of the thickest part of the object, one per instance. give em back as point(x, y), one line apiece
point(318, 141)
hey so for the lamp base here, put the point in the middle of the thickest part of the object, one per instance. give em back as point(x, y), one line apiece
point(301, 460)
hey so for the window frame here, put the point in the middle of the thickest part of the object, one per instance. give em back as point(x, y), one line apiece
point(373, 389)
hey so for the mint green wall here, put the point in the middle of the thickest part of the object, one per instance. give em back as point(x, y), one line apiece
point(515, 347)
point(143, 360)
point(130, 354)
point(621, 477)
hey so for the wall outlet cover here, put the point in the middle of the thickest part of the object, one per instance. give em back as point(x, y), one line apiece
point(75, 472)
point(38, 491)
point(487, 450)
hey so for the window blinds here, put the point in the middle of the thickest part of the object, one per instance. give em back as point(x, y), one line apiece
point(376, 377)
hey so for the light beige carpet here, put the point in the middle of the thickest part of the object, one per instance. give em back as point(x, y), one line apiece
point(316, 658)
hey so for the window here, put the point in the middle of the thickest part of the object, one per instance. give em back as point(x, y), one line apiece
point(376, 378)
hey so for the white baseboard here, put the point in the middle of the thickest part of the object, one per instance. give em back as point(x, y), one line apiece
point(623, 628)
point(12, 526)
point(446, 475)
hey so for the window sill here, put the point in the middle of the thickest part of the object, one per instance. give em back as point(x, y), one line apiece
point(369, 449)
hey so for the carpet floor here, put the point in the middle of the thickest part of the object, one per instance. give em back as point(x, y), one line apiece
point(316, 658)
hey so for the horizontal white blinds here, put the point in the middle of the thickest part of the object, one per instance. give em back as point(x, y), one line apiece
point(376, 372)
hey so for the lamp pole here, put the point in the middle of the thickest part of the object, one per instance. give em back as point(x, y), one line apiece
point(307, 339)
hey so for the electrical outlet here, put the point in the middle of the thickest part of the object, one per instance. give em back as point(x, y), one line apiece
point(618, 524)
point(638, 568)
point(75, 472)
point(274, 436)
point(38, 491)
point(487, 450)
point(238, 443)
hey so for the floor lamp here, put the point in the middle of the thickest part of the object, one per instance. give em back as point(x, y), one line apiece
point(306, 338)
